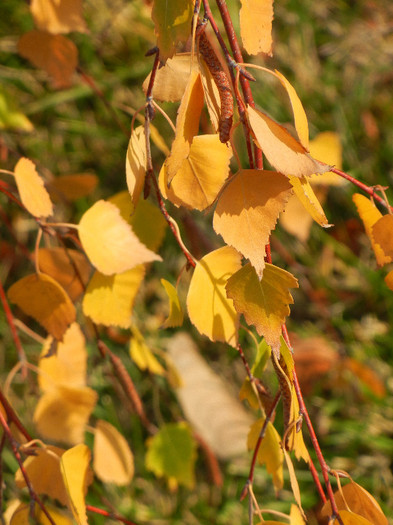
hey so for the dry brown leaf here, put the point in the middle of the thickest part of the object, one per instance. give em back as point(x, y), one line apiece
point(31, 189)
point(256, 17)
point(58, 16)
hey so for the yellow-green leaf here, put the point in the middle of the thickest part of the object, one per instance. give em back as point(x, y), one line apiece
point(208, 307)
point(256, 17)
point(175, 317)
point(264, 303)
point(109, 241)
point(10, 115)
point(42, 298)
point(171, 453)
point(113, 461)
point(76, 476)
point(136, 163)
point(247, 212)
point(109, 299)
point(31, 189)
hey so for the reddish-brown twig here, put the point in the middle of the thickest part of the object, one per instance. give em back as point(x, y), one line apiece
point(110, 515)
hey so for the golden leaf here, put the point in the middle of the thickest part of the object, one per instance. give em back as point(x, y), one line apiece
point(247, 212)
point(31, 189)
point(256, 17)
point(175, 317)
point(309, 200)
point(55, 54)
point(212, 95)
point(326, 146)
point(62, 413)
point(22, 515)
point(382, 232)
point(264, 303)
point(296, 517)
point(136, 163)
point(42, 298)
point(293, 480)
point(58, 16)
point(141, 354)
point(109, 241)
point(283, 152)
point(209, 309)
point(113, 461)
point(72, 187)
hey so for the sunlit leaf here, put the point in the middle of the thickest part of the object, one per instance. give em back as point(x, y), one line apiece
point(270, 452)
point(58, 16)
point(247, 212)
point(208, 307)
point(68, 365)
point(113, 461)
point(175, 317)
point(70, 268)
point(141, 354)
point(187, 124)
point(326, 146)
point(31, 189)
point(212, 95)
point(283, 152)
point(22, 516)
point(309, 200)
point(296, 517)
point(109, 299)
point(72, 187)
point(172, 21)
point(109, 241)
point(370, 215)
point(136, 163)
point(62, 413)
point(382, 232)
point(264, 303)
point(171, 453)
point(42, 298)
point(201, 175)
point(349, 518)
point(55, 54)
point(43, 470)
point(76, 475)
point(256, 17)
point(171, 79)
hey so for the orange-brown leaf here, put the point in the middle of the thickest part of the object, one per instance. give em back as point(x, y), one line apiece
point(58, 16)
point(382, 232)
point(72, 187)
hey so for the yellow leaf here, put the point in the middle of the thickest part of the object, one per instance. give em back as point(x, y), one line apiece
point(175, 317)
point(113, 461)
point(76, 476)
point(295, 439)
point(31, 189)
point(201, 175)
point(212, 95)
point(283, 152)
point(42, 298)
point(296, 219)
point(370, 215)
point(209, 309)
point(382, 232)
point(62, 413)
point(55, 54)
point(247, 212)
point(296, 517)
point(136, 163)
point(389, 280)
point(109, 241)
point(141, 354)
point(22, 516)
point(327, 147)
point(70, 268)
point(171, 79)
point(270, 452)
point(58, 16)
point(187, 124)
point(109, 299)
point(72, 187)
point(256, 17)
point(349, 518)
point(309, 200)
point(172, 21)
point(43, 470)
point(66, 367)
point(264, 303)
point(293, 480)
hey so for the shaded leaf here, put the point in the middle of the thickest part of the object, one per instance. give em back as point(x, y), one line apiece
point(171, 453)
point(31, 189)
point(113, 461)
point(247, 212)
point(141, 354)
point(270, 452)
point(66, 367)
point(283, 152)
point(175, 317)
point(136, 163)
point(72, 187)
point(264, 303)
point(10, 116)
point(256, 17)
point(109, 299)
point(76, 475)
point(62, 413)
point(55, 54)
point(109, 241)
point(22, 515)
point(389, 280)
point(382, 232)
point(58, 16)
point(42, 298)
point(211, 93)
point(208, 307)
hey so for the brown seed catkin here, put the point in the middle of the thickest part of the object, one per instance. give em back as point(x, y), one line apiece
point(223, 85)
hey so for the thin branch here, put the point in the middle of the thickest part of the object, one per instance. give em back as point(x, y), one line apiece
point(110, 515)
